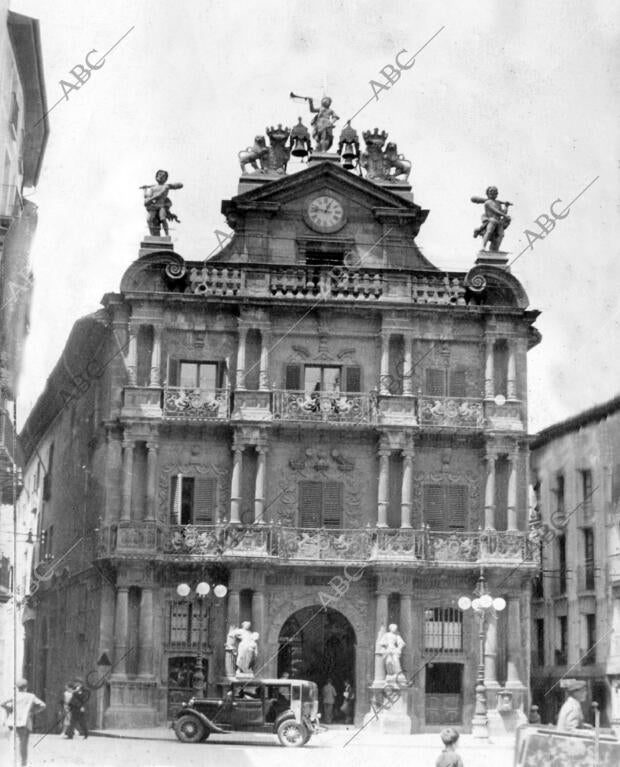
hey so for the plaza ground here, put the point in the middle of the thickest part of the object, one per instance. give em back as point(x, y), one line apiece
point(152, 748)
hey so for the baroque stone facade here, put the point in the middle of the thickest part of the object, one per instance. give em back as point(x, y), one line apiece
point(342, 446)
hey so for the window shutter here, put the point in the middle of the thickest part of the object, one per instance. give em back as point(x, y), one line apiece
point(433, 507)
point(435, 382)
point(353, 379)
point(332, 504)
point(455, 506)
point(173, 372)
point(457, 383)
point(205, 500)
point(310, 503)
point(175, 499)
point(292, 379)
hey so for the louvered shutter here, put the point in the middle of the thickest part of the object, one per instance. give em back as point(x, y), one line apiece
point(205, 492)
point(175, 499)
point(173, 372)
point(433, 507)
point(332, 504)
point(292, 379)
point(435, 382)
point(310, 503)
point(455, 506)
point(353, 379)
point(457, 383)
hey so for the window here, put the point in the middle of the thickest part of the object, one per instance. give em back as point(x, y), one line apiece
point(540, 641)
point(586, 491)
point(198, 375)
point(443, 629)
point(537, 587)
point(561, 641)
point(445, 506)
point(180, 622)
point(445, 383)
point(615, 484)
point(561, 563)
point(14, 118)
point(588, 650)
point(193, 500)
point(588, 550)
point(559, 495)
point(323, 378)
point(320, 504)
point(47, 479)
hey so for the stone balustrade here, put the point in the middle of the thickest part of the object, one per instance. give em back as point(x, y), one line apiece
point(282, 544)
point(327, 283)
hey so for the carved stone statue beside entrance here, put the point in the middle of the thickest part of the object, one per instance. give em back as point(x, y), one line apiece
point(241, 651)
point(495, 219)
point(391, 644)
point(158, 204)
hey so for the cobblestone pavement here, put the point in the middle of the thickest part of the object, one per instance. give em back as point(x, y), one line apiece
point(155, 748)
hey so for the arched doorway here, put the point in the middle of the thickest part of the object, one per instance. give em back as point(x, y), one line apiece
point(317, 644)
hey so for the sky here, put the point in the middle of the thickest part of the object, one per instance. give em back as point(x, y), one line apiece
point(522, 95)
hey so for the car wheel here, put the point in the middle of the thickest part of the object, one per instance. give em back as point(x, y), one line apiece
point(292, 734)
point(205, 736)
point(189, 729)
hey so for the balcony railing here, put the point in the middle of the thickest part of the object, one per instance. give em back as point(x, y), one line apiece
point(455, 412)
point(326, 545)
point(196, 404)
point(324, 407)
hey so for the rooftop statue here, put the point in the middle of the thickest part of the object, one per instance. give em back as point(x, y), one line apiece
point(322, 123)
point(495, 219)
point(158, 204)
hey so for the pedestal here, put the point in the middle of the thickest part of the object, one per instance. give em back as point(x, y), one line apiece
point(151, 243)
point(506, 714)
point(324, 157)
point(133, 703)
point(492, 258)
point(389, 715)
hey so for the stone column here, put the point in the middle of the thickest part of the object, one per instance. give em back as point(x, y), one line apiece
point(113, 472)
point(121, 624)
point(515, 648)
point(151, 481)
point(263, 375)
point(406, 627)
point(128, 446)
point(406, 487)
point(233, 607)
point(511, 385)
point(258, 615)
point(512, 491)
point(382, 494)
point(156, 356)
point(380, 626)
point(235, 483)
point(385, 363)
point(145, 633)
point(488, 371)
point(132, 354)
point(489, 493)
point(407, 369)
point(490, 651)
point(243, 332)
point(259, 490)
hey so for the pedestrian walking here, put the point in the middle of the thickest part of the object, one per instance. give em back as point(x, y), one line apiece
point(328, 695)
point(26, 705)
point(347, 704)
point(77, 707)
point(66, 711)
point(449, 757)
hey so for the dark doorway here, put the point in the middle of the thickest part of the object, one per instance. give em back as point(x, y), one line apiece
point(315, 644)
point(444, 693)
point(180, 681)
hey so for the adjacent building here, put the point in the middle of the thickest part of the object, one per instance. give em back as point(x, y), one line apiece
point(576, 600)
point(23, 135)
point(315, 405)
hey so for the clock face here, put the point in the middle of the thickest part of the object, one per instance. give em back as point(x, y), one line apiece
point(325, 213)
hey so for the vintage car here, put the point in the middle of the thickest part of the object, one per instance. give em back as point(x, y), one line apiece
point(286, 707)
point(538, 746)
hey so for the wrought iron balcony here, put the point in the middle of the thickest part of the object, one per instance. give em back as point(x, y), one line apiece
point(196, 404)
point(324, 407)
point(315, 545)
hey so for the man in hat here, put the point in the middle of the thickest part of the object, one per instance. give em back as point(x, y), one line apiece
point(26, 704)
point(571, 714)
point(77, 708)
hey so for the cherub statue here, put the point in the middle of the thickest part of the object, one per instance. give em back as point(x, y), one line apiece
point(495, 219)
point(158, 204)
point(323, 124)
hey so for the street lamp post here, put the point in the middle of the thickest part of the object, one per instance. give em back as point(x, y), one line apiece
point(483, 604)
point(202, 590)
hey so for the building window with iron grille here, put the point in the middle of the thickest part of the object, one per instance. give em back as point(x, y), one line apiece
point(193, 500)
point(320, 504)
point(443, 630)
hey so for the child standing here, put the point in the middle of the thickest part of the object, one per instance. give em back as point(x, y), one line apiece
point(449, 757)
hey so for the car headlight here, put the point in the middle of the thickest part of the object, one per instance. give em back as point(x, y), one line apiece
point(190, 702)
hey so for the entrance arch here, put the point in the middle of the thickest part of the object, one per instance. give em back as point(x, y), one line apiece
point(318, 644)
